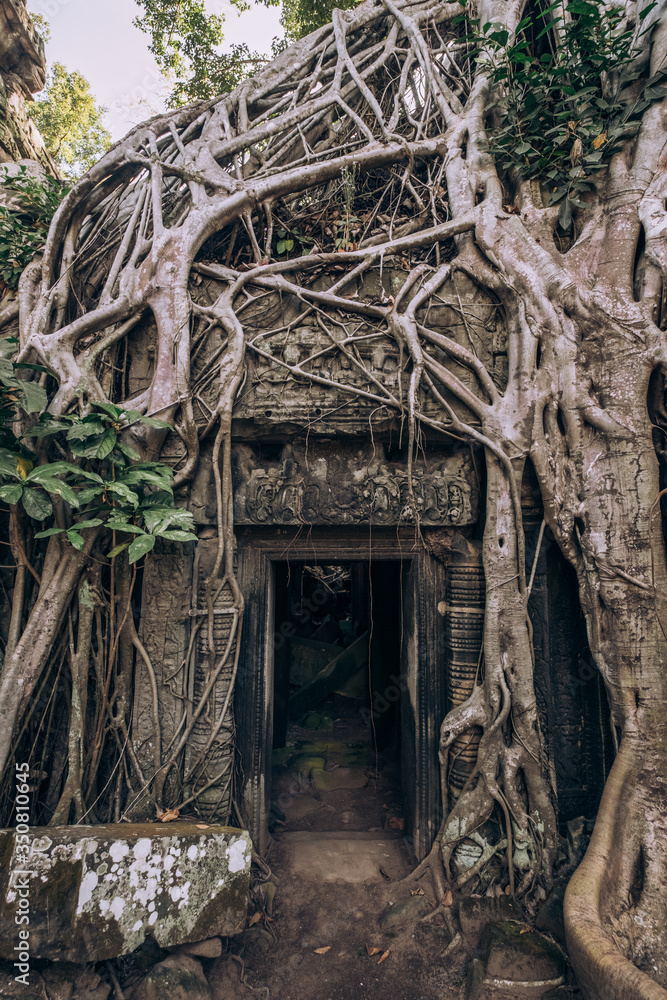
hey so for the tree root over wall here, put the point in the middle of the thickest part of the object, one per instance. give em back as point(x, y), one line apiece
point(387, 103)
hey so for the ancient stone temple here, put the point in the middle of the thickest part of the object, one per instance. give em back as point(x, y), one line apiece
point(361, 572)
point(22, 75)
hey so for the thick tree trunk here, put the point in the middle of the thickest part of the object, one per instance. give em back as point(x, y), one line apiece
point(21, 671)
point(617, 896)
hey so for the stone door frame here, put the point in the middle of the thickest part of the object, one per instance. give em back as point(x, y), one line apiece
point(423, 664)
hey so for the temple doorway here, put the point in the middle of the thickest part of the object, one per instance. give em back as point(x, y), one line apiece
point(339, 679)
point(343, 643)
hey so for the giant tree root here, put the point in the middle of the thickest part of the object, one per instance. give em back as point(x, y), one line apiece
point(603, 972)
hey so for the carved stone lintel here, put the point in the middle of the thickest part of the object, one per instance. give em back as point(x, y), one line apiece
point(331, 487)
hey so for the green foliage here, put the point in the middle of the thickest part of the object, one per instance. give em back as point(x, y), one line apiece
point(16, 394)
point(566, 95)
point(185, 41)
point(102, 480)
point(300, 17)
point(41, 24)
point(70, 121)
point(24, 226)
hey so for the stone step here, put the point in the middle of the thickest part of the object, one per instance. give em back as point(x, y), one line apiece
point(344, 856)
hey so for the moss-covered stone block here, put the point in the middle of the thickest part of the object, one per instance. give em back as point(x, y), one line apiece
point(521, 960)
point(96, 892)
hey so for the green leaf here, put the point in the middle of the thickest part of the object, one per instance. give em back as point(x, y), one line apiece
point(94, 522)
point(122, 491)
point(107, 444)
point(49, 532)
point(131, 416)
point(131, 453)
point(36, 505)
point(140, 546)
point(60, 489)
point(116, 524)
point(8, 466)
point(647, 10)
point(155, 422)
point(119, 548)
point(90, 476)
point(177, 536)
point(7, 376)
point(87, 428)
point(159, 518)
point(60, 468)
point(75, 539)
point(49, 470)
point(163, 498)
point(85, 496)
point(10, 493)
point(46, 428)
point(85, 449)
point(35, 397)
point(136, 476)
point(113, 411)
point(565, 215)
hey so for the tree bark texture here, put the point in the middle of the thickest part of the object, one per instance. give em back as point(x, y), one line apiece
point(388, 101)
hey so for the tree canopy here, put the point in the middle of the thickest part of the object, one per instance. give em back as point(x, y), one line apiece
point(70, 121)
point(185, 40)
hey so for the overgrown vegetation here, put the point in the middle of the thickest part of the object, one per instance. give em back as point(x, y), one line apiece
point(185, 40)
point(569, 90)
point(24, 223)
point(383, 118)
point(101, 482)
point(300, 17)
point(70, 121)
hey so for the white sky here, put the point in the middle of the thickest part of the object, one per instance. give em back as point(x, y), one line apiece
point(97, 38)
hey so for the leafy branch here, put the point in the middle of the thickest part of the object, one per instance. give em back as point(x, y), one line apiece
point(102, 481)
point(25, 220)
point(560, 111)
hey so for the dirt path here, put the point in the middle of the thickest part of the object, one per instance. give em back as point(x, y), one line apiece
point(343, 922)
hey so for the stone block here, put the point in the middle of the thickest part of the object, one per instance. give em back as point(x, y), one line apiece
point(477, 912)
point(399, 914)
point(474, 979)
point(211, 948)
point(97, 892)
point(179, 977)
point(341, 777)
point(521, 960)
point(550, 918)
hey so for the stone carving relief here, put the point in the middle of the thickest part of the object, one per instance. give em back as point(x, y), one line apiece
point(340, 486)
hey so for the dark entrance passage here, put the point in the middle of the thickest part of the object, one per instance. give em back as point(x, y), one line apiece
point(338, 684)
point(381, 583)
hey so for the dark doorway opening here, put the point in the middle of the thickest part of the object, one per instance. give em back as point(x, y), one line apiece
point(338, 685)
